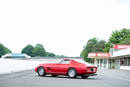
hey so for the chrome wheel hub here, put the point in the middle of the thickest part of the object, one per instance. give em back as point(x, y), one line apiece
point(71, 73)
point(41, 71)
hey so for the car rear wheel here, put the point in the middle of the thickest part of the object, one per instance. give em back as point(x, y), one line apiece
point(41, 71)
point(84, 77)
point(72, 73)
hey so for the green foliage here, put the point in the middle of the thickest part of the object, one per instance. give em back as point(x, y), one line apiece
point(107, 47)
point(39, 51)
point(93, 45)
point(3, 50)
point(28, 50)
point(61, 56)
point(118, 37)
point(50, 54)
point(125, 41)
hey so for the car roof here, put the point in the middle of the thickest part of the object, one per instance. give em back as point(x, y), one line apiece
point(72, 59)
point(66, 59)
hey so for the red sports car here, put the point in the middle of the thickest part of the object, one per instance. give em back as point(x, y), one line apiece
point(68, 67)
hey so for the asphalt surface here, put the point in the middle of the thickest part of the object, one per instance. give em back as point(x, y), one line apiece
point(105, 78)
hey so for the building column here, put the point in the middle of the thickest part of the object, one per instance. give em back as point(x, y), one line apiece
point(99, 63)
point(95, 61)
point(127, 62)
point(102, 63)
point(116, 64)
point(107, 63)
point(110, 63)
point(119, 63)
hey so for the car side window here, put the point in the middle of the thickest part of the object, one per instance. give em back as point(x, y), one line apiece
point(65, 62)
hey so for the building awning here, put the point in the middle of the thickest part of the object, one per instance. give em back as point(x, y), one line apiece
point(122, 53)
point(99, 55)
point(121, 46)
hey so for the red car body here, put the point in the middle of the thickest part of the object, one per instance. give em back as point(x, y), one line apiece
point(62, 68)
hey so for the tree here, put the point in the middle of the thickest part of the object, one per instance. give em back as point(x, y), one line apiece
point(4, 50)
point(100, 46)
point(126, 41)
point(93, 45)
point(28, 50)
point(39, 51)
point(118, 37)
point(107, 47)
point(50, 54)
point(62, 56)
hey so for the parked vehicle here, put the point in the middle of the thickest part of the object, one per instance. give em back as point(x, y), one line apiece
point(68, 67)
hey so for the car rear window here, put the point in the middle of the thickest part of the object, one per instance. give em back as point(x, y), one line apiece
point(65, 62)
point(82, 61)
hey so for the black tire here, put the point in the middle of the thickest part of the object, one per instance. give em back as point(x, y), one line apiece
point(41, 71)
point(72, 73)
point(84, 77)
point(54, 75)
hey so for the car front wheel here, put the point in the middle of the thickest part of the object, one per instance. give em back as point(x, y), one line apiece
point(72, 73)
point(41, 71)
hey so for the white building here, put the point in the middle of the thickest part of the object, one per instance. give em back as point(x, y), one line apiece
point(118, 58)
point(123, 59)
point(102, 60)
point(15, 55)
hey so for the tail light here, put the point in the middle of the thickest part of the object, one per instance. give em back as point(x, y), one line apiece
point(91, 69)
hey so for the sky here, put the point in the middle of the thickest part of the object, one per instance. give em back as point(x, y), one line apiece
point(61, 26)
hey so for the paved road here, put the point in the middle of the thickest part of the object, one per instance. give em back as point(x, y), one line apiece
point(105, 78)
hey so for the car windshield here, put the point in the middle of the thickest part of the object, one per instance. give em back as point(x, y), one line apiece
point(82, 61)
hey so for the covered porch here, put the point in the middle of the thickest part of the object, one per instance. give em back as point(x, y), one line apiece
point(104, 60)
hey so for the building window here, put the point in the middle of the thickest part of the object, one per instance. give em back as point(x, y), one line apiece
point(123, 61)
